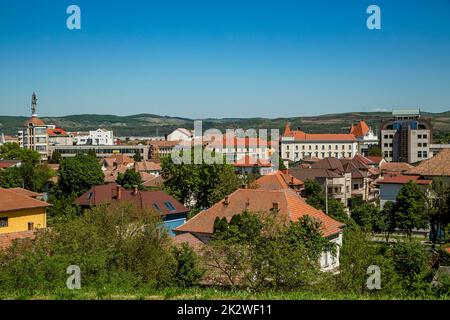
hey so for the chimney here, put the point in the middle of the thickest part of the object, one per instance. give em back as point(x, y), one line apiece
point(226, 201)
point(118, 192)
point(135, 189)
point(275, 206)
point(292, 180)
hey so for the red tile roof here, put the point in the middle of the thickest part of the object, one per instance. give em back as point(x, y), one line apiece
point(254, 200)
point(277, 181)
point(8, 163)
point(147, 166)
point(401, 179)
point(302, 136)
point(439, 165)
point(194, 242)
point(25, 192)
point(360, 130)
point(153, 200)
point(35, 121)
point(395, 166)
point(11, 201)
point(375, 159)
point(56, 132)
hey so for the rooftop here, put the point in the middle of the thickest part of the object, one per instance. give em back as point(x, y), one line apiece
point(439, 165)
point(12, 200)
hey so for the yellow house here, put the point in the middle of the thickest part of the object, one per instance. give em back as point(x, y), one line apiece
point(21, 212)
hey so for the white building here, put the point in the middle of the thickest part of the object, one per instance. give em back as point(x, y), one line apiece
point(365, 137)
point(297, 145)
point(99, 137)
point(180, 134)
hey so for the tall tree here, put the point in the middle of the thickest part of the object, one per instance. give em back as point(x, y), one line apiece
point(410, 208)
point(438, 208)
point(129, 179)
point(79, 173)
point(137, 156)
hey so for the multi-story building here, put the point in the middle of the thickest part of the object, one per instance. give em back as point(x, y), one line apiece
point(365, 137)
point(99, 137)
point(406, 137)
point(34, 135)
point(59, 137)
point(297, 145)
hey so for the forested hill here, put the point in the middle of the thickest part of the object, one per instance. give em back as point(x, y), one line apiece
point(150, 124)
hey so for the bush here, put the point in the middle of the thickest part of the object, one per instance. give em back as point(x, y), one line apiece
point(188, 272)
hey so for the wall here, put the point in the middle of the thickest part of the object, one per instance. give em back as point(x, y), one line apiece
point(18, 220)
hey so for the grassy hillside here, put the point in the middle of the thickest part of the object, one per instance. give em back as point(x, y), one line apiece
point(149, 124)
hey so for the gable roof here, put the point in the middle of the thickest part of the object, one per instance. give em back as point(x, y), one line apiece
point(439, 165)
point(277, 181)
point(153, 200)
point(254, 200)
point(375, 159)
point(395, 166)
point(329, 163)
point(12, 200)
point(147, 166)
point(360, 130)
point(25, 192)
point(299, 135)
point(35, 121)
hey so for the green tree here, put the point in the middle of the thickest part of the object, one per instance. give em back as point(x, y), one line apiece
point(410, 208)
point(129, 179)
point(366, 216)
point(12, 151)
point(137, 156)
point(56, 157)
point(387, 220)
point(10, 178)
point(438, 208)
point(92, 153)
point(375, 152)
point(188, 272)
point(198, 185)
point(79, 173)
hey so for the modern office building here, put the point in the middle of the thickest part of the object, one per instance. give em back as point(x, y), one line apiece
point(406, 137)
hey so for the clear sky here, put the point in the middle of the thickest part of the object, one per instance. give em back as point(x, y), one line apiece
point(223, 58)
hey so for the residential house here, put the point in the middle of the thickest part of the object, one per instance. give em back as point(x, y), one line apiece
point(437, 167)
point(394, 168)
point(150, 180)
point(297, 145)
point(180, 134)
point(287, 202)
point(365, 137)
point(148, 167)
point(390, 186)
point(172, 212)
point(158, 149)
point(248, 165)
point(20, 211)
point(279, 180)
point(4, 164)
point(58, 136)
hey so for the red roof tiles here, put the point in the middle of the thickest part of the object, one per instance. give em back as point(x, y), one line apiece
point(360, 130)
point(11, 201)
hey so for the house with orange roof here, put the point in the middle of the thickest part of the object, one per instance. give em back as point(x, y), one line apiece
point(285, 202)
point(297, 145)
point(279, 180)
point(20, 211)
point(247, 165)
point(365, 137)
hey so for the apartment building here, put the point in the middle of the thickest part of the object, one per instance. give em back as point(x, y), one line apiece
point(406, 137)
point(297, 145)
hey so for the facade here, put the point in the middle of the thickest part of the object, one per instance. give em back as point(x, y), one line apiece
point(286, 202)
point(390, 187)
point(172, 212)
point(406, 137)
point(237, 149)
point(248, 165)
point(99, 137)
point(365, 137)
point(21, 211)
point(297, 145)
point(58, 136)
point(101, 151)
point(34, 134)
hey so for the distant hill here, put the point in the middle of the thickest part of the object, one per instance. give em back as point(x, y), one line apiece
point(149, 124)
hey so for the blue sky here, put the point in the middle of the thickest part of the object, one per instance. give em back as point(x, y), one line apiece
point(223, 58)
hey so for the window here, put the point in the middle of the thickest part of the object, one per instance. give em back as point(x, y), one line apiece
point(303, 147)
point(329, 147)
point(391, 136)
point(419, 154)
point(386, 154)
point(323, 154)
point(385, 136)
point(169, 206)
point(335, 147)
point(425, 136)
point(419, 136)
point(287, 154)
point(296, 147)
point(309, 147)
point(90, 195)
point(419, 145)
point(323, 147)
point(425, 154)
point(3, 222)
point(287, 147)
point(336, 155)
point(424, 144)
point(317, 147)
point(343, 146)
point(349, 154)
point(355, 186)
point(156, 207)
point(30, 226)
point(296, 155)
point(386, 145)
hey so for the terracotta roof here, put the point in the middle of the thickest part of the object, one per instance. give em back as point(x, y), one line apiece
point(111, 173)
point(362, 159)
point(119, 159)
point(277, 181)
point(401, 179)
point(312, 173)
point(375, 159)
point(151, 180)
point(56, 132)
point(12, 200)
point(35, 121)
point(302, 136)
point(8, 163)
point(439, 165)
point(396, 166)
point(360, 130)
point(25, 192)
point(7, 239)
point(153, 200)
point(147, 166)
point(254, 200)
point(329, 163)
point(248, 161)
point(194, 242)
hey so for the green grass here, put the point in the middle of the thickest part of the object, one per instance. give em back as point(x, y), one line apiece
point(199, 294)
